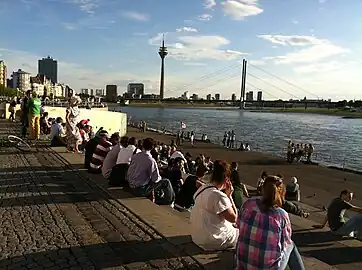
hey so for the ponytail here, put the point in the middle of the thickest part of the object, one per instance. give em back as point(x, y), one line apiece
point(273, 193)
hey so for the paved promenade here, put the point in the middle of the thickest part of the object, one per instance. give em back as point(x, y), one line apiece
point(52, 217)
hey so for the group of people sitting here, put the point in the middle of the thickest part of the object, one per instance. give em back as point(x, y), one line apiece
point(298, 151)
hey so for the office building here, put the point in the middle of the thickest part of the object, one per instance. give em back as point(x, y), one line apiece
point(217, 96)
point(208, 97)
point(84, 91)
point(233, 97)
point(21, 80)
point(136, 89)
point(111, 93)
point(48, 67)
point(3, 74)
point(260, 96)
point(249, 96)
point(100, 92)
point(195, 97)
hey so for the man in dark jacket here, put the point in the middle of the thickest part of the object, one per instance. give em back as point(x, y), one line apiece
point(24, 114)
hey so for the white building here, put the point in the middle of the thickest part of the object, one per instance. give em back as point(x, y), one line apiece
point(3, 75)
point(186, 95)
point(21, 80)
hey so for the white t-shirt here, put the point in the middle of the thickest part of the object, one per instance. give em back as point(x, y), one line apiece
point(209, 230)
point(125, 154)
point(178, 154)
point(56, 130)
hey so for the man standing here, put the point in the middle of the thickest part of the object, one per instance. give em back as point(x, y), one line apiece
point(335, 216)
point(34, 105)
point(25, 114)
point(144, 177)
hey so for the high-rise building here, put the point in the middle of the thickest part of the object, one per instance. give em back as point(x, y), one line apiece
point(21, 80)
point(84, 91)
point(137, 89)
point(48, 67)
point(260, 96)
point(111, 93)
point(3, 74)
point(233, 97)
point(208, 97)
point(195, 97)
point(249, 96)
point(99, 92)
point(217, 96)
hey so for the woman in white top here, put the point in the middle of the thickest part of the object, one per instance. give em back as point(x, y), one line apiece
point(214, 214)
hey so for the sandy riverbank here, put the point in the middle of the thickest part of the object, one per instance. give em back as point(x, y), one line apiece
point(326, 183)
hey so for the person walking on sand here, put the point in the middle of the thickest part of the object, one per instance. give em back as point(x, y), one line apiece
point(73, 135)
point(192, 138)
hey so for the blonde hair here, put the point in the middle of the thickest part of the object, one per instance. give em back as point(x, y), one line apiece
point(273, 192)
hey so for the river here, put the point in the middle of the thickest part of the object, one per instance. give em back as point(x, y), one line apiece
point(337, 141)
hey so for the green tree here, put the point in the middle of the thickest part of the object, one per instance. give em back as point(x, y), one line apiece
point(7, 92)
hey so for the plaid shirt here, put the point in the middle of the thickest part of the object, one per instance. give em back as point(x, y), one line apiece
point(263, 237)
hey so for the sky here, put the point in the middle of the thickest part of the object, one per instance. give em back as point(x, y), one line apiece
point(294, 48)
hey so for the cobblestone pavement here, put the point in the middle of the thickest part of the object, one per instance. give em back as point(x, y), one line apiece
point(53, 218)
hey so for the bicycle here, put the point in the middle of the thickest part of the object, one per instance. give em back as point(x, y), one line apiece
point(19, 143)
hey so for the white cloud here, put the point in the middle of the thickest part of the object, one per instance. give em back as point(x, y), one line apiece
point(325, 67)
point(240, 9)
point(88, 6)
point(197, 47)
point(257, 62)
point(209, 4)
point(317, 49)
point(136, 16)
point(140, 34)
point(69, 26)
point(295, 22)
point(194, 64)
point(292, 40)
point(205, 17)
point(187, 29)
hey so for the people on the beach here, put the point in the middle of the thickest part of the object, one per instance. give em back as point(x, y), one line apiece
point(298, 151)
point(12, 106)
point(335, 216)
point(260, 183)
point(103, 147)
point(192, 138)
point(57, 133)
point(214, 212)
point(25, 113)
point(265, 217)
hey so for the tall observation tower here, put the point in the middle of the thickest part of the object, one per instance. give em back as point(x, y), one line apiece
point(163, 53)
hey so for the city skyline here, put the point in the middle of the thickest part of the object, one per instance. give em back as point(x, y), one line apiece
point(103, 42)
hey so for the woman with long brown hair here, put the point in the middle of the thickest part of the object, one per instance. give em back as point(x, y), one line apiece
point(265, 231)
point(214, 212)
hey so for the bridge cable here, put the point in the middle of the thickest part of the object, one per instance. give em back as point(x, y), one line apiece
point(249, 84)
point(281, 89)
point(283, 80)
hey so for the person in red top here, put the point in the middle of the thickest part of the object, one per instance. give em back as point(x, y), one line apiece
point(102, 149)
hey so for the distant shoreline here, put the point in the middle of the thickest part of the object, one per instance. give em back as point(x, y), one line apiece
point(322, 111)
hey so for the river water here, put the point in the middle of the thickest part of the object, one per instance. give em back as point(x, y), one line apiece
point(337, 141)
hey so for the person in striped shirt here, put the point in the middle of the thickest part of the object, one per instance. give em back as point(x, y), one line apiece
point(100, 153)
point(265, 232)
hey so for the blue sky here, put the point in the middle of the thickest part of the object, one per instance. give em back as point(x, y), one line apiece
point(312, 44)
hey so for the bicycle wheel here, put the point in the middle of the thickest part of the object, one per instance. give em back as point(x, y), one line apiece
point(19, 143)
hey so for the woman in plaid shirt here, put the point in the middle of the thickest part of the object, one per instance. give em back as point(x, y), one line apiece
point(265, 232)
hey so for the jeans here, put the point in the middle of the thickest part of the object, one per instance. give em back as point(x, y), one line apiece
point(292, 258)
point(34, 126)
point(354, 224)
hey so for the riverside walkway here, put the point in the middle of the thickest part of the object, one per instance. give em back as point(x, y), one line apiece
point(56, 216)
point(53, 217)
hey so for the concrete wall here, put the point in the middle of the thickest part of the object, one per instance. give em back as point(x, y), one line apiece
point(99, 117)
